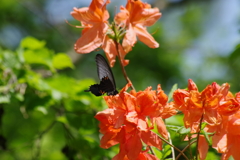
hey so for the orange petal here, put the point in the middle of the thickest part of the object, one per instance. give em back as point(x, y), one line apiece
point(163, 98)
point(238, 97)
point(235, 148)
point(133, 146)
point(122, 16)
point(179, 97)
point(151, 139)
point(98, 9)
point(145, 37)
point(109, 48)
point(81, 14)
point(192, 85)
point(161, 127)
point(150, 16)
point(92, 39)
point(215, 87)
point(169, 110)
point(202, 147)
point(220, 142)
point(142, 124)
point(122, 153)
point(129, 39)
point(108, 140)
point(234, 124)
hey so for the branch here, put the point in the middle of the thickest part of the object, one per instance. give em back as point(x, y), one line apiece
point(39, 138)
point(122, 67)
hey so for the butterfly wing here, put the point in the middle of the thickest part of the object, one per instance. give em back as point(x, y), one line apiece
point(105, 75)
point(107, 82)
point(106, 86)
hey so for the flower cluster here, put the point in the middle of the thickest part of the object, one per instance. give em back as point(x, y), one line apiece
point(129, 121)
point(131, 116)
point(218, 108)
point(130, 23)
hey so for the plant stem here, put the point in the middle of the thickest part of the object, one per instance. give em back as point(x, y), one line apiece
point(185, 148)
point(170, 141)
point(39, 138)
point(200, 124)
point(181, 152)
point(122, 67)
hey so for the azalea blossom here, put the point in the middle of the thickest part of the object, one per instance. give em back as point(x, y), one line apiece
point(94, 20)
point(129, 121)
point(212, 106)
point(227, 139)
point(195, 104)
point(96, 31)
point(135, 17)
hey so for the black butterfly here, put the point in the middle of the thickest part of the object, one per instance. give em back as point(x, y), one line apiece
point(107, 82)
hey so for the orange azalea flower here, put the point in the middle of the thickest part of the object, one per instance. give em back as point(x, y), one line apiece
point(227, 141)
point(194, 104)
point(211, 105)
point(94, 21)
point(136, 16)
point(126, 121)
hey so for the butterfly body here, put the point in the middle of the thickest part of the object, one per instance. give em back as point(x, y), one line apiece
point(107, 82)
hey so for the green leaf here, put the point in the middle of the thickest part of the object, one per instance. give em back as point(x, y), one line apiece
point(35, 80)
point(184, 130)
point(32, 43)
point(71, 86)
point(206, 136)
point(9, 59)
point(157, 152)
point(203, 125)
point(41, 56)
point(56, 95)
point(61, 61)
point(19, 96)
point(42, 109)
point(62, 119)
point(173, 128)
point(170, 95)
point(166, 151)
point(5, 98)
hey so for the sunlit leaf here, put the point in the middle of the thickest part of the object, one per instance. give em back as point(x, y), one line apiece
point(35, 80)
point(4, 98)
point(56, 95)
point(19, 97)
point(32, 43)
point(62, 119)
point(10, 59)
point(184, 130)
point(206, 136)
point(173, 127)
point(174, 87)
point(157, 152)
point(42, 109)
point(166, 151)
point(42, 56)
point(61, 61)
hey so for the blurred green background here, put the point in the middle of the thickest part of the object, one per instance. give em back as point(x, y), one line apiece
point(44, 112)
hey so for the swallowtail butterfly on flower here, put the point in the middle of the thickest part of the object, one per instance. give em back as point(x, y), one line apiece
point(107, 82)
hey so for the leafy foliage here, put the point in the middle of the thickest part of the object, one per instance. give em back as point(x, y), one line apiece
point(52, 113)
